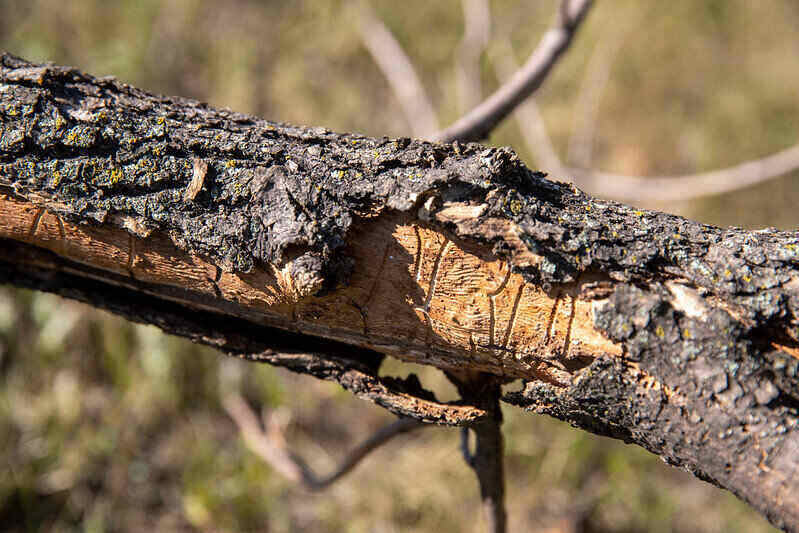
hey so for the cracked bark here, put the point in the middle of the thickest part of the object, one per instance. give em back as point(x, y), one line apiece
point(679, 337)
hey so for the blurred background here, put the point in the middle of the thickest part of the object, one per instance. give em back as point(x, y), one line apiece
point(106, 426)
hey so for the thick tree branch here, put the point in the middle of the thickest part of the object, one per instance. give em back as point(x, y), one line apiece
point(325, 252)
point(478, 123)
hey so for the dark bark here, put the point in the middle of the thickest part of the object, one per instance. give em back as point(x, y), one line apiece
point(707, 318)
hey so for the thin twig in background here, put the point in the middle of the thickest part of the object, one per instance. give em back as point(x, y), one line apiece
point(632, 188)
point(528, 117)
point(270, 445)
point(675, 188)
point(399, 72)
point(481, 120)
point(476, 34)
point(581, 143)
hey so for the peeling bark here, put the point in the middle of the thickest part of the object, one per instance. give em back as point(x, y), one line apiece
point(324, 252)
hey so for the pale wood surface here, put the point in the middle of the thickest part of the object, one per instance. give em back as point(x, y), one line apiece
point(414, 293)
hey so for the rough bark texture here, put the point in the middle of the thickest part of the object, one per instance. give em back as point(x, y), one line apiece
point(677, 336)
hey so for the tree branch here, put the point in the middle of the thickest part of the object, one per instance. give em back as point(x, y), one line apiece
point(480, 121)
point(487, 460)
point(487, 464)
point(476, 34)
point(325, 252)
point(592, 88)
point(270, 446)
point(631, 188)
point(528, 117)
point(691, 186)
point(398, 70)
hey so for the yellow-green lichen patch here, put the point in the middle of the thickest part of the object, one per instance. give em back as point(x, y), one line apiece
point(146, 164)
point(55, 179)
point(80, 137)
point(59, 121)
point(156, 130)
point(115, 176)
point(9, 138)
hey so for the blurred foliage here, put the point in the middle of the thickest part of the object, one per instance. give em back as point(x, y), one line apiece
point(108, 426)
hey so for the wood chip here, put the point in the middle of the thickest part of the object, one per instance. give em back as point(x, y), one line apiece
point(197, 180)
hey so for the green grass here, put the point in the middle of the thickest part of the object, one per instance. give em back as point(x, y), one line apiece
point(106, 426)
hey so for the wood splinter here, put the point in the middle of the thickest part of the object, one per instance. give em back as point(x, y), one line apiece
point(200, 169)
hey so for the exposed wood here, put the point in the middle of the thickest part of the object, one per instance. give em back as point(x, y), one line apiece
point(422, 297)
point(324, 252)
point(353, 368)
point(197, 179)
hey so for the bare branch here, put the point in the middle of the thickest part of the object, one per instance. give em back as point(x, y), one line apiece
point(674, 188)
point(592, 88)
point(487, 464)
point(466, 452)
point(480, 121)
point(398, 70)
point(477, 31)
point(155, 261)
point(528, 117)
point(270, 445)
point(632, 188)
point(487, 458)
